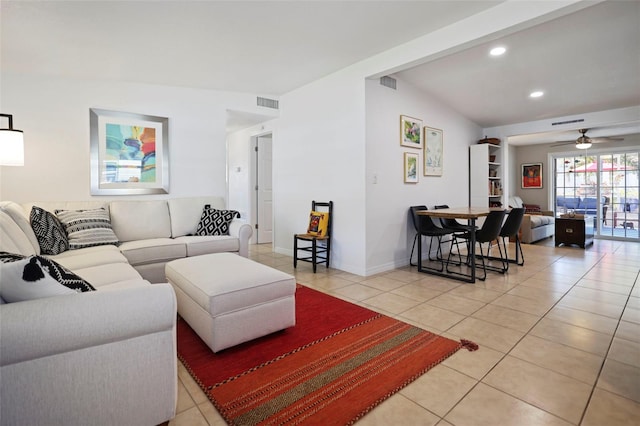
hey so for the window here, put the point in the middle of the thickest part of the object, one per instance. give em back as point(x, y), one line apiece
point(605, 186)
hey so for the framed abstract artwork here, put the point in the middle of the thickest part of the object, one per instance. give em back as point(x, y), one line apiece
point(532, 175)
point(129, 153)
point(433, 152)
point(410, 132)
point(410, 167)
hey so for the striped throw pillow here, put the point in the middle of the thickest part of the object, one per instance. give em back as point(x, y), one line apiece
point(87, 228)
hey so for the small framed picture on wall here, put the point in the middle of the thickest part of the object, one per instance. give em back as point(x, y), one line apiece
point(532, 175)
point(410, 167)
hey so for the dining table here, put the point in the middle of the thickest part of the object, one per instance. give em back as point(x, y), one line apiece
point(471, 214)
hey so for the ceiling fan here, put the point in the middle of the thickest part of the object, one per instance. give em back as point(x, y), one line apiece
point(585, 142)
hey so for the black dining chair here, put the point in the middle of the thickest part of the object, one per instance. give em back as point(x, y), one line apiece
point(489, 232)
point(425, 227)
point(451, 223)
point(510, 229)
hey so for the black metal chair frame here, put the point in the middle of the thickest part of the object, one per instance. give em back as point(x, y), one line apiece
point(510, 228)
point(425, 226)
point(489, 232)
point(320, 248)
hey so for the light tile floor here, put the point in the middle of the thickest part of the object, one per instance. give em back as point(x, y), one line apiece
point(559, 339)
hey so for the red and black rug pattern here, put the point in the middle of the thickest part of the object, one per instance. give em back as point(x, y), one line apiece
point(338, 362)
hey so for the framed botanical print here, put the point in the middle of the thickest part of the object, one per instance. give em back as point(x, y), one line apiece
point(433, 153)
point(410, 167)
point(410, 132)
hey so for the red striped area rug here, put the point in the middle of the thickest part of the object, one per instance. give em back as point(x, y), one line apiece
point(334, 366)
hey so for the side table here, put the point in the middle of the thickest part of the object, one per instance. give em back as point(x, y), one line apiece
point(571, 230)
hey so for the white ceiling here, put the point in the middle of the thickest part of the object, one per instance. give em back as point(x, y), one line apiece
point(588, 61)
point(264, 47)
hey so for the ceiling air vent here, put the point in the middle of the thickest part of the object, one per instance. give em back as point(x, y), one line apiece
point(268, 103)
point(557, 123)
point(388, 82)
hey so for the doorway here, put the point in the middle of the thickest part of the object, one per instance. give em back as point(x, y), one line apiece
point(603, 185)
point(264, 188)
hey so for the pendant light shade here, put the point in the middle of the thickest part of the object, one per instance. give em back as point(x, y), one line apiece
point(11, 145)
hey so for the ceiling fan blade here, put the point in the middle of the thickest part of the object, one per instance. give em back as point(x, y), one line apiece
point(563, 143)
point(606, 139)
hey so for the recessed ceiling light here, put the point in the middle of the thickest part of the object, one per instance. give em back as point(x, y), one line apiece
point(536, 94)
point(497, 51)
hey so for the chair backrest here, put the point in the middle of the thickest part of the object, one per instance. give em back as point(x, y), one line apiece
point(318, 206)
point(512, 224)
point(491, 226)
point(421, 223)
point(414, 216)
point(447, 222)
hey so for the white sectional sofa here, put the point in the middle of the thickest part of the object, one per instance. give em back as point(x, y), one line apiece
point(108, 356)
point(152, 233)
point(537, 224)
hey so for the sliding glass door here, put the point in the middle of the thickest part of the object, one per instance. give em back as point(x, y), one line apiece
point(604, 186)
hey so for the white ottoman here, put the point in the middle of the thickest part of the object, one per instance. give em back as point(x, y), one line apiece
point(228, 299)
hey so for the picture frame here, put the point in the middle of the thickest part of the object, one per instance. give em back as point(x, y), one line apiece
point(531, 175)
point(411, 167)
point(410, 132)
point(433, 151)
point(129, 153)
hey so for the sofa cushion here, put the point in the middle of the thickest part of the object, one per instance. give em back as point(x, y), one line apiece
point(34, 277)
point(516, 202)
point(197, 245)
point(185, 213)
point(90, 256)
point(50, 233)
point(215, 222)
point(540, 220)
point(86, 228)
point(20, 217)
point(153, 251)
point(13, 239)
point(101, 275)
point(140, 220)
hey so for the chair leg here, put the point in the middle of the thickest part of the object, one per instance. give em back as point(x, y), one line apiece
point(484, 266)
point(295, 252)
point(415, 239)
point(328, 251)
point(519, 249)
point(313, 254)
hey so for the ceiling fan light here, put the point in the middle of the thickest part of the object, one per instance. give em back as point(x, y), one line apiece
point(583, 144)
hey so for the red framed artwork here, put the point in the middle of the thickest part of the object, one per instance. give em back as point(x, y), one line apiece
point(532, 175)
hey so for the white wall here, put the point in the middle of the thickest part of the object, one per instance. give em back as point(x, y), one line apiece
point(318, 154)
point(242, 168)
point(389, 230)
point(323, 142)
point(54, 115)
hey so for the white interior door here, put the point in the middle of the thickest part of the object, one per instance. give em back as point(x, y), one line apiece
point(264, 189)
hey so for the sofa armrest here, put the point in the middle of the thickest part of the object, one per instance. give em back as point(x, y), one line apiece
point(525, 229)
point(54, 325)
point(243, 231)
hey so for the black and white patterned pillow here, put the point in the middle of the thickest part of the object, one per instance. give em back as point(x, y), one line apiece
point(87, 228)
point(215, 222)
point(49, 231)
point(34, 277)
